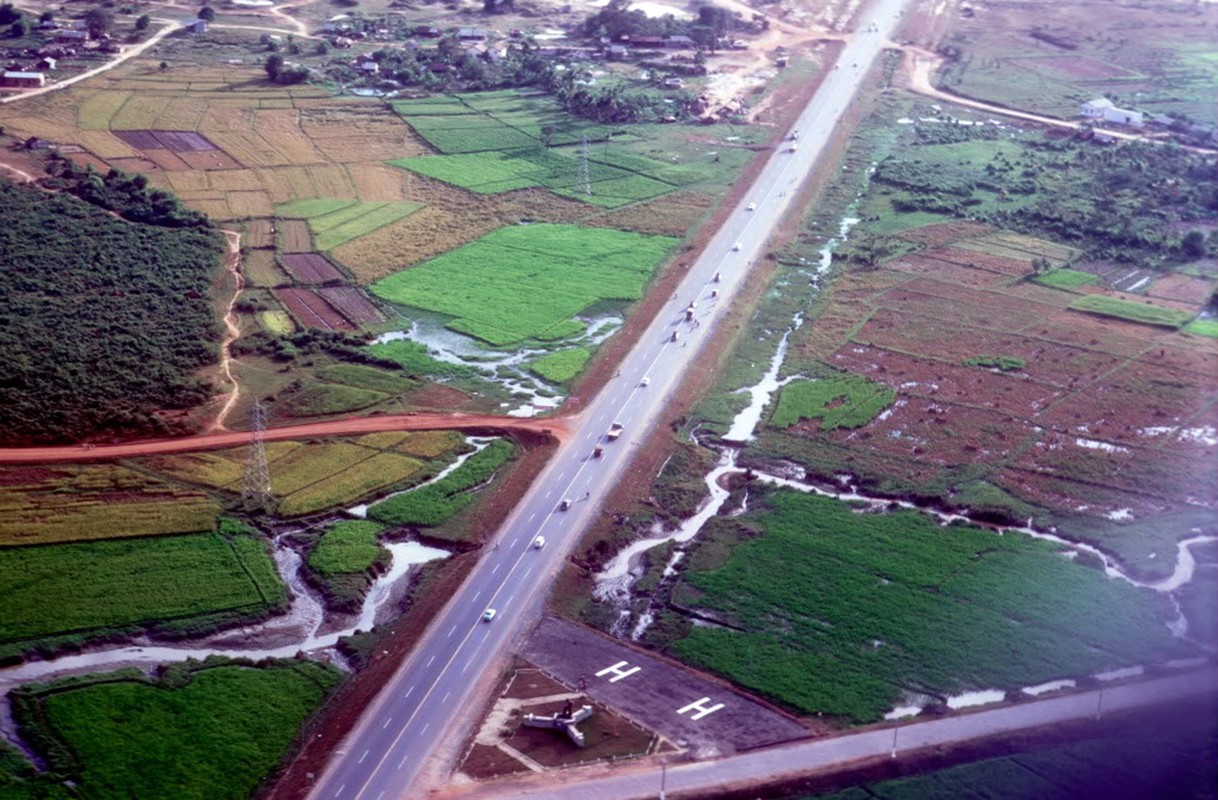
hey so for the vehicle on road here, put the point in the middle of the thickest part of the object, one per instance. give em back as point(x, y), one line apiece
point(792, 148)
point(689, 314)
point(674, 336)
point(539, 542)
point(598, 451)
point(752, 207)
point(794, 134)
point(645, 382)
point(489, 614)
point(736, 247)
point(564, 505)
point(615, 431)
point(718, 277)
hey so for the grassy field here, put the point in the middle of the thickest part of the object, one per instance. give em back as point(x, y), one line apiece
point(1127, 309)
point(199, 733)
point(344, 560)
point(836, 612)
point(75, 503)
point(172, 582)
point(844, 401)
point(1203, 327)
point(520, 282)
point(561, 366)
point(1164, 71)
point(1066, 278)
point(436, 503)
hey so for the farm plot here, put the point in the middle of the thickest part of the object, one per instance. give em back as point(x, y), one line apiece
point(518, 283)
point(352, 304)
point(84, 587)
point(310, 268)
point(311, 311)
point(1137, 312)
point(1183, 289)
point(294, 237)
point(169, 149)
point(336, 222)
point(964, 305)
point(504, 170)
point(845, 401)
point(952, 272)
point(211, 730)
point(65, 504)
point(837, 612)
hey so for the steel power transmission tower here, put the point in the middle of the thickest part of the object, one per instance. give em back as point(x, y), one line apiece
point(256, 494)
point(584, 183)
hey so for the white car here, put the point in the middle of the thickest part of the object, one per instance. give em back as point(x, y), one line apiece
point(489, 614)
point(792, 148)
point(736, 247)
point(539, 542)
point(645, 382)
point(752, 207)
point(564, 505)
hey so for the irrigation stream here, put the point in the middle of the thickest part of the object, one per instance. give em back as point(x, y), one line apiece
point(615, 583)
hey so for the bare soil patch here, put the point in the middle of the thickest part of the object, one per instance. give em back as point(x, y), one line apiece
point(1194, 292)
point(294, 236)
point(352, 304)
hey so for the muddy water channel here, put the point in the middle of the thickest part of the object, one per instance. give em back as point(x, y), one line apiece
point(615, 584)
point(507, 369)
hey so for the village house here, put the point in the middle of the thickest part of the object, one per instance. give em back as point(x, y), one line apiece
point(194, 25)
point(25, 80)
point(71, 37)
point(472, 34)
point(1104, 110)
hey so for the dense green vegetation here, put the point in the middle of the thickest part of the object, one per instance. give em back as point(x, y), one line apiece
point(55, 595)
point(1127, 309)
point(345, 560)
point(201, 732)
point(435, 503)
point(561, 366)
point(335, 222)
point(104, 321)
point(125, 194)
point(416, 360)
point(1203, 327)
point(520, 282)
point(833, 611)
point(1125, 203)
point(842, 401)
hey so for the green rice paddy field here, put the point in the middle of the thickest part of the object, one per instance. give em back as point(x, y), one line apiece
point(839, 612)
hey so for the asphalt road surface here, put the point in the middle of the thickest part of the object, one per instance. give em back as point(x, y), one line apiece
point(434, 688)
point(789, 761)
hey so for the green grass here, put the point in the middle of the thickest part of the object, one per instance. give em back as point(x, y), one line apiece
point(344, 561)
point(845, 401)
point(321, 399)
point(518, 282)
point(200, 734)
point(1066, 278)
point(562, 366)
point(89, 587)
point(834, 611)
point(437, 502)
point(1004, 363)
point(351, 484)
point(348, 546)
point(1126, 309)
point(314, 207)
point(362, 377)
point(1203, 327)
point(417, 361)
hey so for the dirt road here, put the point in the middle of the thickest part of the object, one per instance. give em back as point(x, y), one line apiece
point(547, 428)
point(130, 53)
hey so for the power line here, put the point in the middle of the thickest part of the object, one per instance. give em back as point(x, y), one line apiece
point(256, 493)
point(584, 184)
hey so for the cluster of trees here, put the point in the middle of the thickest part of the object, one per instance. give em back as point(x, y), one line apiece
point(123, 193)
point(618, 19)
point(104, 324)
point(1130, 202)
point(338, 344)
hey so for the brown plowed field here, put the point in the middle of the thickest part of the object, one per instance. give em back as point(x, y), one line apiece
point(961, 274)
point(166, 160)
point(209, 159)
point(310, 267)
point(133, 164)
point(312, 311)
point(352, 304)
point(294, 236)
point(1107, 335)
point(945, 232)
point(1183, 288)
point(1012, 267)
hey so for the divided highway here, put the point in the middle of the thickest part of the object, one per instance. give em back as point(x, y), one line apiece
point(435, 687)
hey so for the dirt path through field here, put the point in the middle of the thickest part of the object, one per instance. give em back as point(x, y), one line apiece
point(233, 330)
point(279, 11)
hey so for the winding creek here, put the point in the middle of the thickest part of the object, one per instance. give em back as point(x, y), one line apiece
point(614, 584)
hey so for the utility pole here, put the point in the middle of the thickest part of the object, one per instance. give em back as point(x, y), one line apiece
point(584, 184)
